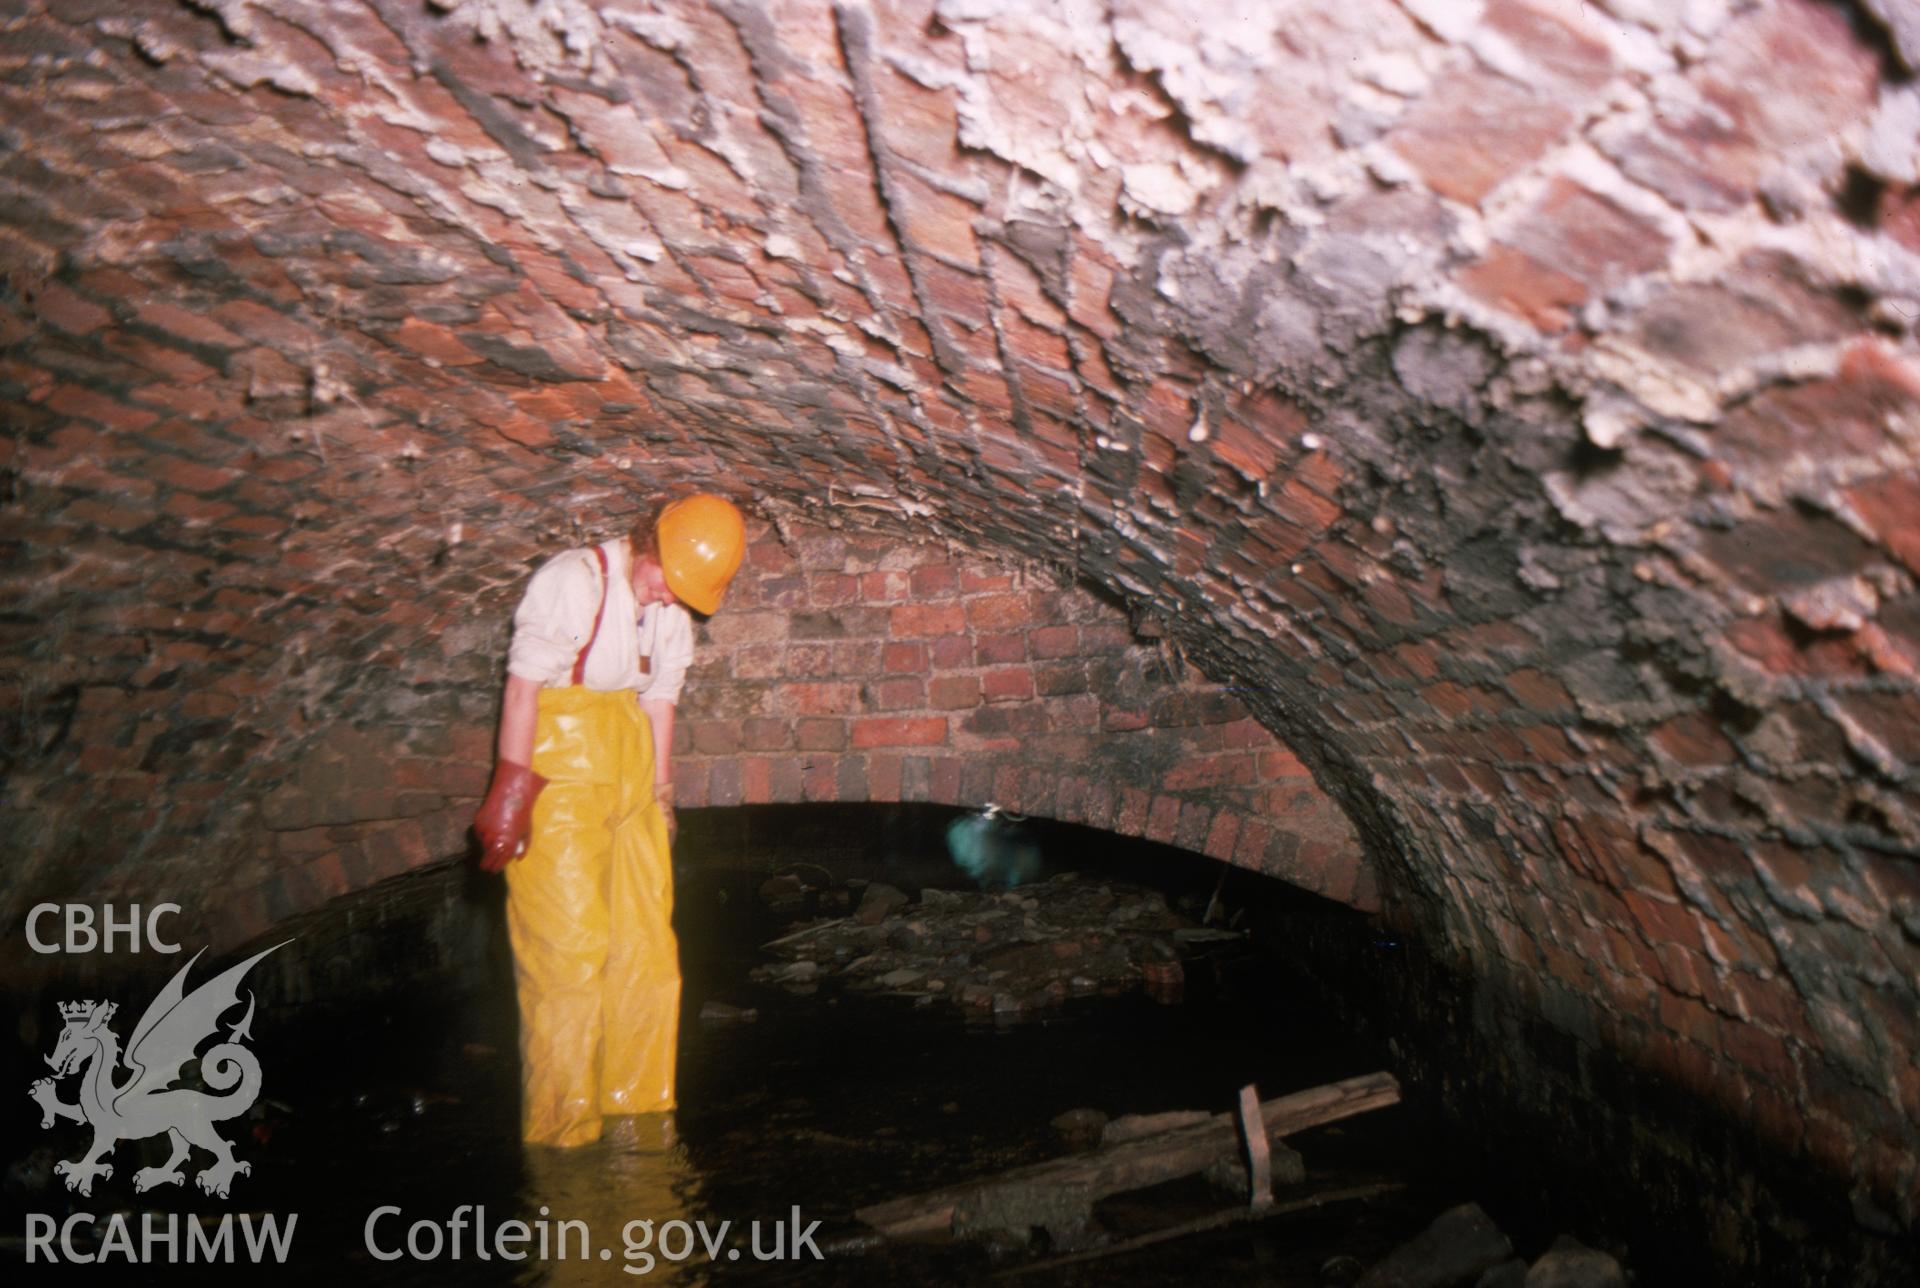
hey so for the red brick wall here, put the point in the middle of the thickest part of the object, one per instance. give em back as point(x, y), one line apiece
point(857, 667)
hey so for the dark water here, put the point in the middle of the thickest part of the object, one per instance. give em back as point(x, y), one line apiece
point(826, 1103)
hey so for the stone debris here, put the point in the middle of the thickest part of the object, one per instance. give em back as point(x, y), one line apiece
point(1007, 955)
point(1340, 1271)
point(1080, 1129)
point(1462, 1244)
point(1508, 1274)
point(878, 903)
point(784, 889)
point(1570, 1263)
point(1464, 1247)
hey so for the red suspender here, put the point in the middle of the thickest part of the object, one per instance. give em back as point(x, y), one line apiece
point(580, 662)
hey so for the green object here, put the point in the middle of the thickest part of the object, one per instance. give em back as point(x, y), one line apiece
point(993, 849)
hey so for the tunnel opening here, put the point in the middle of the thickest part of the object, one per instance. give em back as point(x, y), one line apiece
point(390, 1034)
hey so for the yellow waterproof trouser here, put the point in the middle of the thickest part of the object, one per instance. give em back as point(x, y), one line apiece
point(589, 911)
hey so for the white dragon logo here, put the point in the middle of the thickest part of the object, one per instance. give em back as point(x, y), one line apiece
point(147, 1103)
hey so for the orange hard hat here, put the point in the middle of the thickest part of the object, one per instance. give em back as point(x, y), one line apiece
point(701, 540)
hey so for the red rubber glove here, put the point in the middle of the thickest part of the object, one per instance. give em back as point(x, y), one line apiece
point(505, 820)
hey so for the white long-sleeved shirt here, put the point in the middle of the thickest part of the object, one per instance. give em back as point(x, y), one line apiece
point(555, 617)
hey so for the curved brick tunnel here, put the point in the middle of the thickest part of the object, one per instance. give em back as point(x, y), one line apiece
point(847, 668)
point(1458, 456)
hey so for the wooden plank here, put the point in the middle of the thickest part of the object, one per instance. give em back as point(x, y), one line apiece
point(1218, 1221)
point(805, 932)
point(1259, 1152)
point(1149, 1160)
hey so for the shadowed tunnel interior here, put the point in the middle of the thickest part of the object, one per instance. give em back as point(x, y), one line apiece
point(1456, 457)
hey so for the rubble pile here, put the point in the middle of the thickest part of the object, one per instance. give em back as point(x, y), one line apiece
point(1463, 1248)
point(1007, 955)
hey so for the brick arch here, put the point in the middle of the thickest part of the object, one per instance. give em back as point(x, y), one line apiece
point(855, 667)
point(1298, 837)
point(852, 666)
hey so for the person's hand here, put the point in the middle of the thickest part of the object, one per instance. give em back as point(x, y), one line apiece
point(505, 819)
point(663, 792)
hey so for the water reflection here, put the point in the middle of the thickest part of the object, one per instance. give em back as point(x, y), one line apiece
point(624, 1189)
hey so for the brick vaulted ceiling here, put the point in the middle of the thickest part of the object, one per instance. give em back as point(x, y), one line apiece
point(1518, 400)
